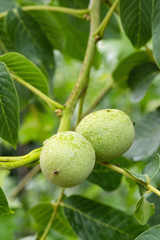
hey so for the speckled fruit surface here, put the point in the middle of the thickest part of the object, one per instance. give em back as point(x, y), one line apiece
point(110, 131)
point(67, 159)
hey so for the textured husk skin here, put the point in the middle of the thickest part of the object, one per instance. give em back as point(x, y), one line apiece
point(110, 131)
point(67, 159)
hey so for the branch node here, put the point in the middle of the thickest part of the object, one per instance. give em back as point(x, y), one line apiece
point(97, 38)
point(86, 17)
point(59, 112)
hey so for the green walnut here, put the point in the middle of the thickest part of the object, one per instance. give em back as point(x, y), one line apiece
point(67, 159)
point(110, 131)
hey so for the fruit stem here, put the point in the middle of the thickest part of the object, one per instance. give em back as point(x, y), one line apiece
point(126, 174)
point(9, 163)
point(98, 34)
point(44, 235)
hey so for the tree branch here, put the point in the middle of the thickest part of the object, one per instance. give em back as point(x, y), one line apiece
point(9, 163)
point(127, 175)
point(81, 102)
point(86, 66)
point(100, 31)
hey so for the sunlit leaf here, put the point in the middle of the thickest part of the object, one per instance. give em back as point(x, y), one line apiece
point(20, 66)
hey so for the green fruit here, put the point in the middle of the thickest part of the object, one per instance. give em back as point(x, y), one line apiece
point(67, 159)
point(110, 131)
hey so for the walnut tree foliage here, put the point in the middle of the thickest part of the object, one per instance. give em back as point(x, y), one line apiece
point(59, 61)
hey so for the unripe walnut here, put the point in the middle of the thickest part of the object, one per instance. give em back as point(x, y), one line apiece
point(110, 131)
point(67, 159)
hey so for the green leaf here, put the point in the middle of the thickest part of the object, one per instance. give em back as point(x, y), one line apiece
point(53, 235)
point(153, 167)
point(155, 31)
point(140, 79)
point(155, 219)
point(142, 189)
point(51, 28)
point(75, 30)
point(21, 67)
point(143, 210)
point(27, 38)
point(131, 182)
point(93, 220)
point(121, 73)
point(113, 27)
point(42, 214)
point(113, 30)
point(5, 42)
point(4, 208)
point(105, 178)
point(9, 107)
point(138, 177)
point(147, 139)
point(6, 5)
point(76, 34)
point(152, 233)
point(136, 16)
